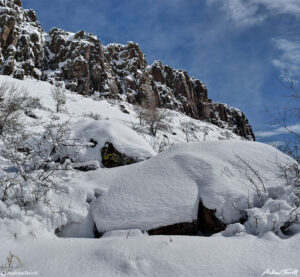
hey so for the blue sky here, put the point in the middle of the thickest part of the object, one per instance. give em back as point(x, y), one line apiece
point(237, 47)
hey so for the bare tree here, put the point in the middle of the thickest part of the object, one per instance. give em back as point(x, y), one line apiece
point(58, 94)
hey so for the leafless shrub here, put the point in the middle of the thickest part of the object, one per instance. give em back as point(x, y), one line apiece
point(290, 172)
point(37, 165)
point(228, 135)
point(8, 265)
point(252, 175)
point(157, 120)
point(205, 130)
point(58, 94)
point(154, 118)
point(141, 112)
point(14, 101)
point(92, 115)
point(189, 128)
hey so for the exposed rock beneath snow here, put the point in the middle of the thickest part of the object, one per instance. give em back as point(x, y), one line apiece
point(21, 41)
point(116, 71)
point(206, 224)
point(111, 157)
point(86, 166)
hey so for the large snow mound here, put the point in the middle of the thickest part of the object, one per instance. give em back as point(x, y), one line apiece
point(167, 188)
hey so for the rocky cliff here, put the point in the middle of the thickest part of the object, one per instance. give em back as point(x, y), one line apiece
point(117, 71)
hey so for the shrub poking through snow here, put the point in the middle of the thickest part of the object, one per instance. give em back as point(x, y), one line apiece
point(189, 129)
point(36, 165)
point(9, 263)
point(253, 175)
point(13, 102)
point(151, 116)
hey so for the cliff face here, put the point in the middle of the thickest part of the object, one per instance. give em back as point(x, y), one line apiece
point(117, 71)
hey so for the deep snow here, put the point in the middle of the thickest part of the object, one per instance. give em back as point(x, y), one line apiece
point(160, 191)
point(156, 256)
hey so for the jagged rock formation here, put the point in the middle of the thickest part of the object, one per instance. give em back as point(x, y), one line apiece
point(117, 71)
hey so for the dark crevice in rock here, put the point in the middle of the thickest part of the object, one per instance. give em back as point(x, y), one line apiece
point(208, 223)
point(187, 229)
point(97, 234)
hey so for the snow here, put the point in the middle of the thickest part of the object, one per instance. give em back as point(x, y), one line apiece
point(155, 256)
point(124, 139)
point(165, 189)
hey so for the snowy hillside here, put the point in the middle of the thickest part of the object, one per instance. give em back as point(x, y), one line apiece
point(65, 212)
point(86, 108)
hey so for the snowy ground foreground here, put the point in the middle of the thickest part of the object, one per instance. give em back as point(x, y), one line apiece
point(156, 256)
point(163, 190)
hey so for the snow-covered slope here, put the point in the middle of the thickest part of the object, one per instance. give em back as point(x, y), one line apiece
point(246, 186)
point(80, 108)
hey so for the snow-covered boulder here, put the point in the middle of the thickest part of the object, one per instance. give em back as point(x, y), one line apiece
point(105, 135)
point(168, 188)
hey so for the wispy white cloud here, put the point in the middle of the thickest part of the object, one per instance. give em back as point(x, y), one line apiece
point(289, 60)
point(252, 12)
point(279, 131)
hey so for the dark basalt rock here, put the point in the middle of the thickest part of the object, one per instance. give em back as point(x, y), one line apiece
point(116, 71)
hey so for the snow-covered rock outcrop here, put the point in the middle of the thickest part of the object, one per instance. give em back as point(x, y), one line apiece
point(168, 189)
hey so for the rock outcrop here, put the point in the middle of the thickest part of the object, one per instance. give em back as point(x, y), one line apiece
point(116, 71)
